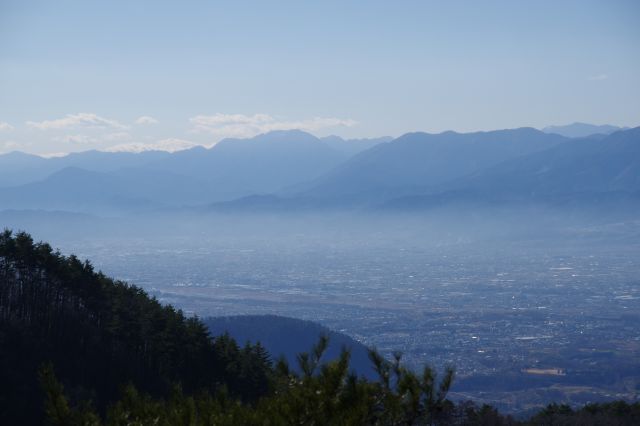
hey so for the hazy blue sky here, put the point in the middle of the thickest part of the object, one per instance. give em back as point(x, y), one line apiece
point(76, 75)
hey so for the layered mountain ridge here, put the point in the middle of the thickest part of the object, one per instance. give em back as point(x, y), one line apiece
point(294, 170)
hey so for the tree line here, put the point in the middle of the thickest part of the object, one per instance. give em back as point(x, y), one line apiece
point(100, 334)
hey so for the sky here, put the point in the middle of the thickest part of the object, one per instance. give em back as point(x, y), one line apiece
point(133, 75)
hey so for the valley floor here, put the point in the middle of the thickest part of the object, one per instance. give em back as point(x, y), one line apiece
point(525, 322)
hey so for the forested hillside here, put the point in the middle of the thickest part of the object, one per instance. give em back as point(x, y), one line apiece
point(287, 337)
point(101, 334)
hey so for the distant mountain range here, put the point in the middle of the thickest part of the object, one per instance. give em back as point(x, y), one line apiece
point(418, 160)
point(263, 164)
point(122, 191)
point(419, 170)
point(293, 170)
point(353, 146)
point(580, 170)
point(105, 182)
point(581, 130)
point(17, 168)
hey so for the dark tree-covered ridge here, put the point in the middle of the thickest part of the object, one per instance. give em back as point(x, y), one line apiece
point(100, 334)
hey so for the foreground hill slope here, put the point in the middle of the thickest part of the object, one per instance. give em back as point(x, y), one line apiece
point(101, 334)
point(287, 337)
